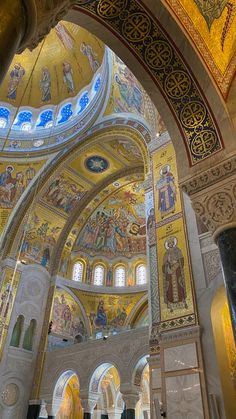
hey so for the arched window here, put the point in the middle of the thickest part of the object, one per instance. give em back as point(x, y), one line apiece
point(29, 336)
point(99, 273)
point(141, 274)
point(78, 271)
point(120, 276)
point(16, 334)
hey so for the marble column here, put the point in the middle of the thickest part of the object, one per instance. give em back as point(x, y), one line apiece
point(34, 409)
point(114, 413)
point(226, 241)
point(130, 401)
point(88, 403)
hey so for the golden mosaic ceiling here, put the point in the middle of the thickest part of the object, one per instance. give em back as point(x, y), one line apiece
point(60, 67)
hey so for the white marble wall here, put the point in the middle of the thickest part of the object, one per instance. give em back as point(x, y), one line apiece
point(208, 278)
point(180, 357)
point(183, 397)
point(17, 364)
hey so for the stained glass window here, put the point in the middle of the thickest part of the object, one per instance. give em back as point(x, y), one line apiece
point(141, 274)
point(78, 271)
point(120, 276)
point(99, 272)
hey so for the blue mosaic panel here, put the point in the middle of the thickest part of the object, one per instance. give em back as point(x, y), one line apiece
point(44, 118)
point(97, 84)
point(96, 164)
point(23, 117)
point(83, 102)
point(66, 113)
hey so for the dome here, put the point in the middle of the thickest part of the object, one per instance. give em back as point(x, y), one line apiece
point(52, 88)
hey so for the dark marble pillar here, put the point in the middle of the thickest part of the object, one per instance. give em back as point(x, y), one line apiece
point(227, 246)
point(128, 414)
point(33, 411)
point(87, 415)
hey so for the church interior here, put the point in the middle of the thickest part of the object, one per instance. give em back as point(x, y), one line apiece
point(117, 209)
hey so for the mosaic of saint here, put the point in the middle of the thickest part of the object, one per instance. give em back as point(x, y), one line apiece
point(64, 192)
point(14, 178)
point(173, 275)
point(67, 319)
point(166, 191)
point(75, 56)
point(117, 226)
point(128, 96)
point(108, 311)
point(40, 236)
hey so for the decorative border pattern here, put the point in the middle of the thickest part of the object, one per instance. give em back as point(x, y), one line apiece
point(223, 80)
point(138, 29)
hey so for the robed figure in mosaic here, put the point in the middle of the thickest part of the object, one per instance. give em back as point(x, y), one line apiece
point(173, 276)
point(166, 192)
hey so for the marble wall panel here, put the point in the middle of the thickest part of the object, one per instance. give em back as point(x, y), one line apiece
point(180, 357)
point(183, 397)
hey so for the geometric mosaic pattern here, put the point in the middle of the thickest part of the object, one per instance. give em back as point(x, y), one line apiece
point(140, 31)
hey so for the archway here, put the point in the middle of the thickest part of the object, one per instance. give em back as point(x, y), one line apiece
point(66, 401)
point(225, 349)
point(111, 25)
point(105, 381)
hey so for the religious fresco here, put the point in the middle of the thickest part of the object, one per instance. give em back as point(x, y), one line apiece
point(95, 164)
point(67, 319)
point(127, 95)
point(176, 297)
point(14, 179)
point(211, 24)
point(8, 289)
point(174, 271)
point(75, 55)
point(40, 235)
point(107, 311)
point(64, 192)
point(126, 149)
point(117, 226)
point(85, 214)
point(166, 183)
point(70, 407)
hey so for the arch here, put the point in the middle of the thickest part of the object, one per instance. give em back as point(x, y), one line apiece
point(66, 396)
point(98, 374)
point(225, 349)
point(115, 30)
point(137, 133)
point(138, 370)
point(61, 383)
point(17, 331)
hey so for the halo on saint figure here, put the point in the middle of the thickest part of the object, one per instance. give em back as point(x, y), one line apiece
point(166, 168)
point(171, 239)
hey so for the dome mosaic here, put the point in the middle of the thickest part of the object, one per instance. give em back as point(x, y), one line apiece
point(52, 89)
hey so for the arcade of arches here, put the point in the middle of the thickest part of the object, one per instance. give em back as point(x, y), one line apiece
point(117, 209)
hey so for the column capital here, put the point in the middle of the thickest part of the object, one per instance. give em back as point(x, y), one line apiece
point(130, 397)
point(88, 400)
point(213, 196)
point(114, 413)
point(42, 16)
